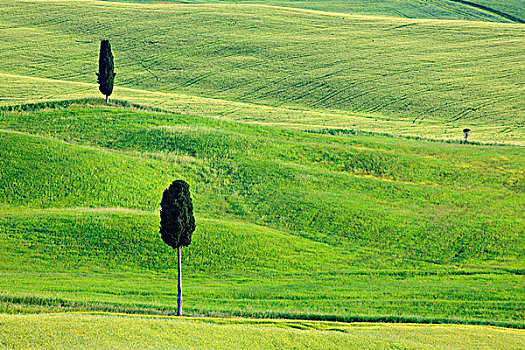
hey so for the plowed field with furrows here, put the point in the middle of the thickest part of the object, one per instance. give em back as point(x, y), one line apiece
point(418, 73)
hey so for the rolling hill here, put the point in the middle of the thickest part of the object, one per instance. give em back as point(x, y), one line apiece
point(290, 217)
point(304, 69)
point(476, 10)
point(323, 154)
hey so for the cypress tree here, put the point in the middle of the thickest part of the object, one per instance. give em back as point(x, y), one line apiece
point(466, 133)
point(177, 224)
point(105, 74)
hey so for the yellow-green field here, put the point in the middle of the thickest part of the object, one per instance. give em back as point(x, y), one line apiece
point(111, 331)
point(299, 68)
point(476, 10)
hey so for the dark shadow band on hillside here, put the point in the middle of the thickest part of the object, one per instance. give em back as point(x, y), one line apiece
point(27, 304)
point(491, 10)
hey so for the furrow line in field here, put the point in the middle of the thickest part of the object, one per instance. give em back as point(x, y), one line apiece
point(197, 79)
point(327, 97)
point(380, 106)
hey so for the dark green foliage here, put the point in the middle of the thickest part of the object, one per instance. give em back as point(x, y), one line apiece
point(466, 132)
point(105, 74)
point(176, 215)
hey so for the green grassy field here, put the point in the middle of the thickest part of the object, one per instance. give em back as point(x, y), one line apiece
point(303, 225)
point(513, 8)
point(323, 154)
point(298, 68)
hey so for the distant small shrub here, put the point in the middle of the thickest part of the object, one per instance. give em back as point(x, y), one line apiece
point(466, 132)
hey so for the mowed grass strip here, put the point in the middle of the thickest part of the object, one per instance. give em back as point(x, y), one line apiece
point(103, 331)
point(408, 70)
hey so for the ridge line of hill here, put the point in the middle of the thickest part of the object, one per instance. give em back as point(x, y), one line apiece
point(173, 94)
point(200, 216)
point(226, 102)
point(309, 128)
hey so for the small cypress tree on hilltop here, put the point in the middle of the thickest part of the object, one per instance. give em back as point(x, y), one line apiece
point(177, 224)
point(105, 74)
point(466, 133)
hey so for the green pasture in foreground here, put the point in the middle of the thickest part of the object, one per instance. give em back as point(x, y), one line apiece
point(289, 224)
point(277, 66)
point(109, 331)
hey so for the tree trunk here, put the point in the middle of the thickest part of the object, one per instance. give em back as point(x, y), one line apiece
point(179, 297)
point(107, 99)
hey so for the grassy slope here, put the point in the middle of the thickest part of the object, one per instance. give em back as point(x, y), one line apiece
point(418, 77)
point(441, 242)
point(513, 10)
point(435, 234)
point(78, 331)
point(398, 8)
point(16, 86)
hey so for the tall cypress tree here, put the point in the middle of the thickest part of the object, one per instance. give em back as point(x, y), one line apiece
point(105, 74)
point(177, 224)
